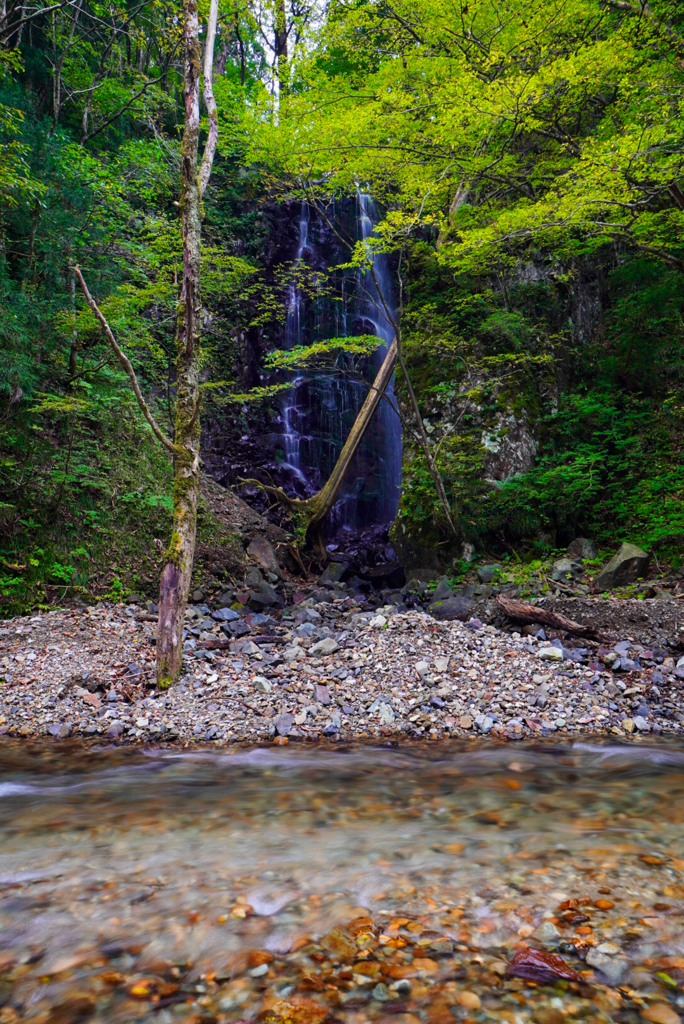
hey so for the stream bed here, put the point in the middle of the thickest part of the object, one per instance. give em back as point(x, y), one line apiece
point(346, 884)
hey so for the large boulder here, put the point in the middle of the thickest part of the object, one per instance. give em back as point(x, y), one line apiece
point(488, 573)
point(626, 566)
point(580, 547)
point(565, 569)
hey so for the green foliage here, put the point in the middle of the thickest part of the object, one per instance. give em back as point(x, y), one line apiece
point(319, 352)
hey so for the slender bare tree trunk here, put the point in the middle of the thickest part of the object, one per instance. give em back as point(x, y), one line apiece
point(177, 572)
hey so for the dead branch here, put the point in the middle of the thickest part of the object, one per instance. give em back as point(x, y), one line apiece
point(126, 363)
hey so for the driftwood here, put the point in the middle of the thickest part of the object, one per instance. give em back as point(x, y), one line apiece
point(529, 614)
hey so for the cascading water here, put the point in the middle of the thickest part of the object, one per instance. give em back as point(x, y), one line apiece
point(318, 412)
point(292, 416)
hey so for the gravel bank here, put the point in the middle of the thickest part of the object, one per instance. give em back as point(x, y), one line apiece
point(324, 670)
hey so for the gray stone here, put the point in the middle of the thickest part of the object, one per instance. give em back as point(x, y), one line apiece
point(265, 597)
point(261, 684)
point(115, 729)
point(386, 714)
point(333, 573)
point(564, 569)
point(582, 548)
point(326, 646)
point(612, 967)
point(259, 550)
point(626, 566)
point(488, 573)
point(641, 724)
point(422, 668)
point(253, 578)
point(292, 653)
point(60, 730)
point(452, 608)
point(442, 591)
point(321, 694)
point(283, 724)
point(306, 629)
point(197, 596)
point(225, 615)
point(246, 647)
point(309, 615)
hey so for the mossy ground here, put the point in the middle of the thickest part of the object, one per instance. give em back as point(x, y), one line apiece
point(94, 498)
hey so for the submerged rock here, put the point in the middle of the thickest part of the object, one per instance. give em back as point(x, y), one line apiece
point(534, 965)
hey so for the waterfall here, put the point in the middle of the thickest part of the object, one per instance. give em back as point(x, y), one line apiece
point(292, 416)
point(319, 410)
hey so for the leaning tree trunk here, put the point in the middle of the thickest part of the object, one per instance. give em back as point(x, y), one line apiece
point(177, 572)
point(310, 513)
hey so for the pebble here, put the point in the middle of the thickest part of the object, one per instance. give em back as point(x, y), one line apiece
point(91, 673)
point(611, 966)
point(550, 654)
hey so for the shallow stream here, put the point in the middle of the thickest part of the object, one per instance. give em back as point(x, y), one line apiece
point(360, 884)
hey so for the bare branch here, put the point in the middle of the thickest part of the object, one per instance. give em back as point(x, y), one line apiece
point(122, 110)
point(126, 363)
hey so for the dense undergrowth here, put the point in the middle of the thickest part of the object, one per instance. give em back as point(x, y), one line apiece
point(90, 506)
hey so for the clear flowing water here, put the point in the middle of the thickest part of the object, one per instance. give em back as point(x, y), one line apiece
point(361, 884)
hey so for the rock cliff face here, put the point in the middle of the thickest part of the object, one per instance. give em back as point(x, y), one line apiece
point(487, 379)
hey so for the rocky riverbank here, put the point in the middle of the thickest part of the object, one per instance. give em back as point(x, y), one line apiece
point(325, 664)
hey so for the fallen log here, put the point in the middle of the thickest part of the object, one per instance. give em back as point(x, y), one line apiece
point(530, 614)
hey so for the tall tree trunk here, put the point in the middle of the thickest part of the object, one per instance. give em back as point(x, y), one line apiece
point(177, 572)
